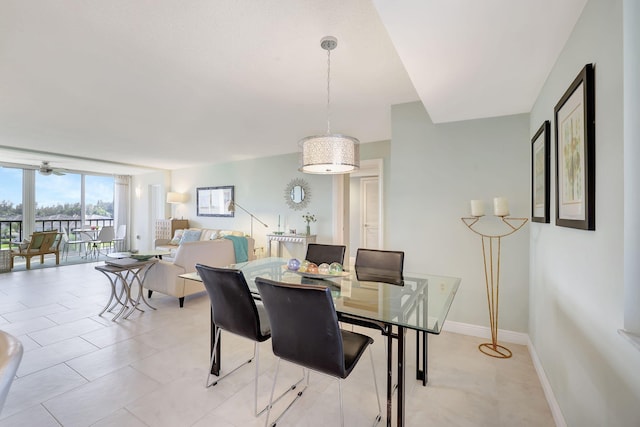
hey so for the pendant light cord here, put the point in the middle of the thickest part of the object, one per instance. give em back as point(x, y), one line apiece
point(328, 91)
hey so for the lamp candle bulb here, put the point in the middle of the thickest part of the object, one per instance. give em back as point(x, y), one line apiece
point(500, 206)
point(477, 208)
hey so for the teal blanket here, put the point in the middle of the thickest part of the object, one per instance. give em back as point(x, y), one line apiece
point(241, 248)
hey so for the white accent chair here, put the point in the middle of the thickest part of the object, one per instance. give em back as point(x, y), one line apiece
point(10, 358)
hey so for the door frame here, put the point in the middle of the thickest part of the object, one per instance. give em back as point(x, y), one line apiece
point(341, 197)
point(363, 208)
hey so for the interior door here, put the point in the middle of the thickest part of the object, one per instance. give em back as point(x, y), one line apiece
point(370, 212)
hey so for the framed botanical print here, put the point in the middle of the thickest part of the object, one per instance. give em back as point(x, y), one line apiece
point(540, 175)
point(575, 153)
point(214, 201)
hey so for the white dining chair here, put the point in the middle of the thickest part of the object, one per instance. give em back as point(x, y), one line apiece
point(105, 237)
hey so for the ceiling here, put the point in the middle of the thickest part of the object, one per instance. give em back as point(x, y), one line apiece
point(139, 85)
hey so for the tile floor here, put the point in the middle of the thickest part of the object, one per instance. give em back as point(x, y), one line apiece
point(80, 369)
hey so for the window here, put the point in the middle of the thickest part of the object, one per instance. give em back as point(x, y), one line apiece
point(98, 199)
point(58, 200)
point(10, 205)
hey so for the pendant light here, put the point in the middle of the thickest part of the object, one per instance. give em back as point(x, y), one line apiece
point(329, 153)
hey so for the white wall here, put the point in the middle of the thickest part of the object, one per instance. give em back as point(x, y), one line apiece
point(631, 170)
point(435, 171)
point(577, 292)
point(141, 234)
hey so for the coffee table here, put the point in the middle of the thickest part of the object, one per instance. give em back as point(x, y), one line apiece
point(157, 253)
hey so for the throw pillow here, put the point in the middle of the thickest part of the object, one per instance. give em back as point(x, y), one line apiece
point(176, 237)
point(190, 236)
point(214, 235)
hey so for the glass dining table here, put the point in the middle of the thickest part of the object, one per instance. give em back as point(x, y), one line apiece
point(419, 302)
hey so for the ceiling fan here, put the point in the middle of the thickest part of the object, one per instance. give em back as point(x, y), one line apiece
point(46, 169)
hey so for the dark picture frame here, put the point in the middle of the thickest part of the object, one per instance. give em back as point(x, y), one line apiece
point(540, 173)
point(575, 153)
point(214, 201)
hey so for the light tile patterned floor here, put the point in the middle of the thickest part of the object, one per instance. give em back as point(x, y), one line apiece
point(80, 369)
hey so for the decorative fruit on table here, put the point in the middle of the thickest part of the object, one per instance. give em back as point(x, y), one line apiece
point(303, 266)
point(312, 268)
point(323, 268)
point(293, 264)
point(335, 268)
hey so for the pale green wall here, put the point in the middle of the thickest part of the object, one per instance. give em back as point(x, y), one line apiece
point(577, 292)
point(259, 188)
point(435, 171)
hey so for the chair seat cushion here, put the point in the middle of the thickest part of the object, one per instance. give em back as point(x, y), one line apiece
point(353, 345)
point(265, 326)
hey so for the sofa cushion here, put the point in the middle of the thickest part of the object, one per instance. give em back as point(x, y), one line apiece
point(209, 234)
point(224, 233)
point(177, 237)
point(190, 236)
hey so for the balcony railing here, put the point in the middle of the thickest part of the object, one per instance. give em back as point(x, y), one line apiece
point(12, 231)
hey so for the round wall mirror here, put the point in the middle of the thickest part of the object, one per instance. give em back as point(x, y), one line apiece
point(297, 194)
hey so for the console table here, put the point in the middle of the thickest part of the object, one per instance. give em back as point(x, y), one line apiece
point(298, 239)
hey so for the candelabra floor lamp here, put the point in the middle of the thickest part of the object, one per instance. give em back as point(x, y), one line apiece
point(491, 244)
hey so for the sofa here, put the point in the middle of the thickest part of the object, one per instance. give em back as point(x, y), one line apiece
point(218, 252)
point(191, 235)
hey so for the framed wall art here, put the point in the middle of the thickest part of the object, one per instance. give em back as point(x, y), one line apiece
point(540, 175)
point(214, 201)
point(575, 153)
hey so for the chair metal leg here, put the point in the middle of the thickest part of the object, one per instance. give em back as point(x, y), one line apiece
point(341, 405)
point(375, 384)
point(292, 387)
point(256, 356)
point(273, 387)
point(213, 355)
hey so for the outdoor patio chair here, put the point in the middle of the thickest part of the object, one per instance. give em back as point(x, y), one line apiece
point(40, 244)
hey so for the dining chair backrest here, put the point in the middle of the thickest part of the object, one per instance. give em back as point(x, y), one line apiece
point(304, 325)
point(233, 307)
point(319, 253)
point(379, 266)
point(10, 357)
point(106, 234)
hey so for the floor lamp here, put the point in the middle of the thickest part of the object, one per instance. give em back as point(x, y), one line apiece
point(232, 208)
point(491, 251)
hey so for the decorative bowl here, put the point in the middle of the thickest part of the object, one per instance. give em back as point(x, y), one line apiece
point(141, 257)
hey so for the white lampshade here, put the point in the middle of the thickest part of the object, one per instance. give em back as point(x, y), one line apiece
point(173, 197)
point(329, 154)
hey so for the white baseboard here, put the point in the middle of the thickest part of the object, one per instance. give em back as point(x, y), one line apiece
point(485, 332)
point(546, 387)
point(514, 338)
